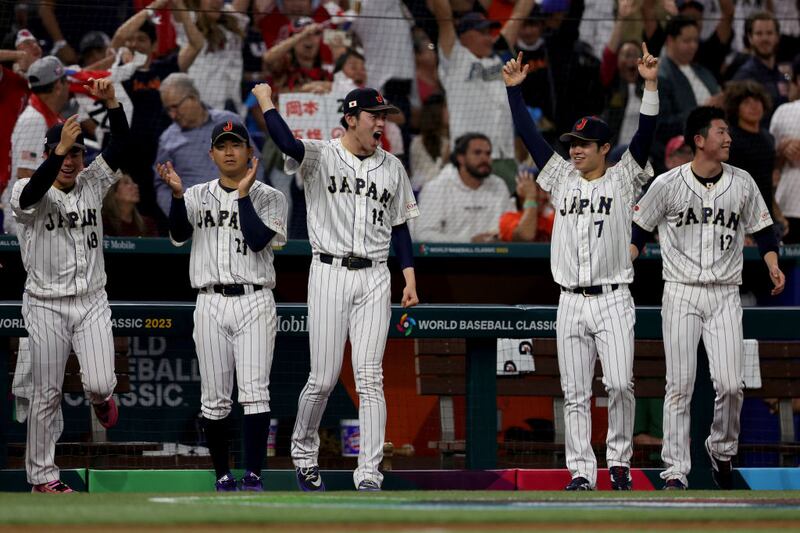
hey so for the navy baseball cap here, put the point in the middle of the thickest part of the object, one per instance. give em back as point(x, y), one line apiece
point(475, 21)
point(53, 137)
point(366, 99)
point(229, 128)
point(588, 129)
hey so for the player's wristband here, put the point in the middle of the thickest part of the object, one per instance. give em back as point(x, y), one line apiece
point(530, 204)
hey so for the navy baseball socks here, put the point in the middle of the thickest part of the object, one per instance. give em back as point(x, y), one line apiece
point(217, 440)
point(256, 428)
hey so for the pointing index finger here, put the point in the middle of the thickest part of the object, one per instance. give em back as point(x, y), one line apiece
point(644, 49)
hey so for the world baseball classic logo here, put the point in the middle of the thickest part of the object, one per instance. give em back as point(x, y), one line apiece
point(406, 324)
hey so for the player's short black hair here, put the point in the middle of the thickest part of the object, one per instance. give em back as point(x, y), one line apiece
point(149, 29)
point(698, 122)
point(461, 145)
point(676, 24)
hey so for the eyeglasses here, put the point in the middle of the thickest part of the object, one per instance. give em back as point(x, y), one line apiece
point(174, 107)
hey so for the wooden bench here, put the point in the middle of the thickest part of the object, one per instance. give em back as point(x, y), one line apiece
point(441, 370)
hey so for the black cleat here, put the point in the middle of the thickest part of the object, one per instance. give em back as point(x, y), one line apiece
point(620, 478)
point(309, 480)
point(721, 471)
point(579, 483)
point(674, 484)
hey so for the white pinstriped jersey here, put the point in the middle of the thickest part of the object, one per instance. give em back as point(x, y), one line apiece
point(701, 230)
point(61, 236)
point(219, 254)
point(353, 204)
point(592, 227)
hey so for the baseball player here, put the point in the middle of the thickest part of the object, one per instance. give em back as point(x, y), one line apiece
point(231, 221)
point(590, 260)
point(703, 209)
point(60, 231)
point(359, 198)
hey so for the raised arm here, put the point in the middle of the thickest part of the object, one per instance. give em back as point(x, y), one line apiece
point(194, 39)
point(44, 176)
point(132, 25)
point(608, 65)
point(274, 57)
point(61, 48)
point(510, 30)
point(276, 126)
point(513, 75)
point(648, 112)
point(114, 153)
point(444, 19)
point(724, 28)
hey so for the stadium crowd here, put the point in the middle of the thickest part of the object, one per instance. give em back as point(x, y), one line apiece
point(181, 66)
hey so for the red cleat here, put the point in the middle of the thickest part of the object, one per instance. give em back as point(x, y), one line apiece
point(53, 487)
point(107, 413)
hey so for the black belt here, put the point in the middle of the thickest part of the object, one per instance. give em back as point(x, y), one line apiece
point(594, 290)
point(350, 262)
point(231, 290)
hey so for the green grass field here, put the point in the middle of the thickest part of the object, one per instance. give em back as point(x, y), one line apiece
point(439, 511)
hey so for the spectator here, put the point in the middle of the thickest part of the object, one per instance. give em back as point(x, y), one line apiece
point(464, 203)
point(49, 96)
point(94, 47)
point(752, 145)
point(533, 219)
point(789, 15)
point(470, 71)
point(619, 74)
point(384, 29)
point(763, 33)
point(14, 90)
point(564, 79)
point(683, 84)
point(712, 48)
point(277, 23)
point(301, 62)
point(430, 150)
point(597, 24)
point(428, 82)
point(121, 218)
point(348, 74)
point(66, 22)
point(785, 127)
point(186, 141)
point(148, 119)
point(28, 46)
point(218, 68)
point(677, 152)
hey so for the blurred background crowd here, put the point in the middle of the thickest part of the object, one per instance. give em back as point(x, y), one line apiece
point(181, 66)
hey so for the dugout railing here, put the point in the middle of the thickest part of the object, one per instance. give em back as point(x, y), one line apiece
point(478, 325)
